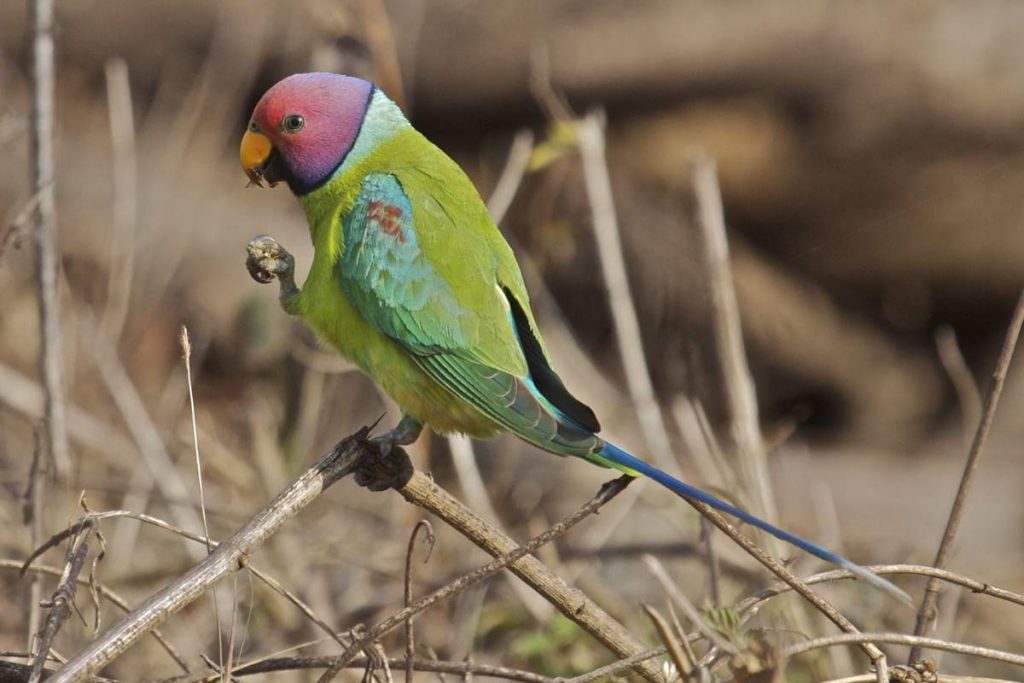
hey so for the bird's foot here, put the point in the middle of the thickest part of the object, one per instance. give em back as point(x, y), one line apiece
point(392, 468)
point(266, 260)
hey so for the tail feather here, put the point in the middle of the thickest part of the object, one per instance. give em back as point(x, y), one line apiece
point(613, 456)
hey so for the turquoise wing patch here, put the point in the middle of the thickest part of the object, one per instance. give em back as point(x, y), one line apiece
point(386, 275)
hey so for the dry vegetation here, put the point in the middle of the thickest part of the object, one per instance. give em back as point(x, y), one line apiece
point(868, 159)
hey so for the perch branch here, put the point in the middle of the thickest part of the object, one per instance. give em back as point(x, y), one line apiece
point(927, 612)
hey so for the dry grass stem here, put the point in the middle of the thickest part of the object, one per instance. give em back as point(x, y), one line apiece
point(927, 613)
point(620, 298)
point(737, 381)
point(126, 194)
point(47, 256)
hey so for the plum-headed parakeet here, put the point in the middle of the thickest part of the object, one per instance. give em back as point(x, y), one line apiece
point(413, 282)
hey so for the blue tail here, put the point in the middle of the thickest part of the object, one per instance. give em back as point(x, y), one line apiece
point(613, 456)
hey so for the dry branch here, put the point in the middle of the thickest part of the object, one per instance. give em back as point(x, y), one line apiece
point(928, 612)
point(230, 556)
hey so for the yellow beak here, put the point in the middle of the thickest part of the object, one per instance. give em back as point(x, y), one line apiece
point(255, 151)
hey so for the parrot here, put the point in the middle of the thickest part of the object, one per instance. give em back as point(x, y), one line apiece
point(413, 282)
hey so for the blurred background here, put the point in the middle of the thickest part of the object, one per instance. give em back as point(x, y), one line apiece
point(871, 170)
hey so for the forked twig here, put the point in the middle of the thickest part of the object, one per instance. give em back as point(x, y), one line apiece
point(927, 612)
point(63, 601)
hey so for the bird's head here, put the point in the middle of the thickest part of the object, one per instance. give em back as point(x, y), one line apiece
point(303, 128)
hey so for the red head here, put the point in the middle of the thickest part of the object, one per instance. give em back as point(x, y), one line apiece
point(303, 128)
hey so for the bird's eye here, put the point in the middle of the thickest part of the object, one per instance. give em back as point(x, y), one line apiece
point(253, 127)
point(292, 123)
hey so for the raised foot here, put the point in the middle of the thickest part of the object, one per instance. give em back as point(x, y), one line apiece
point(266, 260)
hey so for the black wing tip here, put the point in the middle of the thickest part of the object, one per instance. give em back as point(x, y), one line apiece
point(547, 381)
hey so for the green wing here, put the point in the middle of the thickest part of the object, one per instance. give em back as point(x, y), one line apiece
point(436, 276)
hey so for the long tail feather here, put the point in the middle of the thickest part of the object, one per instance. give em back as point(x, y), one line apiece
point(612, 455)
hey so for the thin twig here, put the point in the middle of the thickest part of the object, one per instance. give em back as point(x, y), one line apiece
point(33, 516)
point(422, 491)
point(903, 639)
point(47, 253)
point(63, 601)
point(273, 664)
point(231, 555)
point(928, 611)
point(431, 540)
point(974, 586)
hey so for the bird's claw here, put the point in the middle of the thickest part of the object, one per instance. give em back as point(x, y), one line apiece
point(266, 259)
